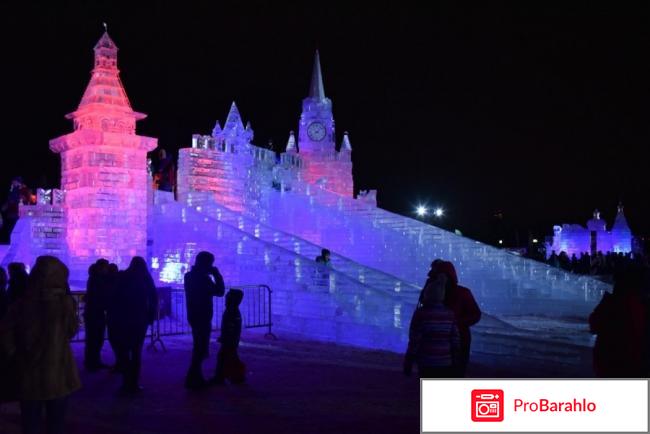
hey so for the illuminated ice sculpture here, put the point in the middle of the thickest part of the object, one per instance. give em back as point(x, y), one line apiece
point(104, 168)
point(575, 239)
point(267, 219)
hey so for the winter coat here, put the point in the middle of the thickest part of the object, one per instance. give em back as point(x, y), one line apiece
point(433, 337)
point(131, 308)
point(199, 290)
point(619, 321)
point(17, 287)
point(230, 328)
point(461, 301)
point(98, 292)
point(35, 339)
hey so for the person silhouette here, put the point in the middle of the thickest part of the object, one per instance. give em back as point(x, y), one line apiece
point(95, 314)
point(131, 310)
point(202, 283)
point(229, 366)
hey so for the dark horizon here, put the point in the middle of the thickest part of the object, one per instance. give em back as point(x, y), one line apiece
point(538, 112)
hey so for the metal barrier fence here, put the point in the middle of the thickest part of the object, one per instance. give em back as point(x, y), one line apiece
point(172, 312)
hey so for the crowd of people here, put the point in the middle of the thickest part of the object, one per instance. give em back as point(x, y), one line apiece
point(599, 264)
point(39, 317)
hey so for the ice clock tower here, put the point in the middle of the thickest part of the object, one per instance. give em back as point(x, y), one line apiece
point(322, 164)
point(316, 129)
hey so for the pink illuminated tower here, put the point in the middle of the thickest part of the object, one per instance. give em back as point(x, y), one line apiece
point(104, 168)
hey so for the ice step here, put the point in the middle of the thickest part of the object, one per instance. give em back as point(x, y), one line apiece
point(366, 275)
point(404, 248)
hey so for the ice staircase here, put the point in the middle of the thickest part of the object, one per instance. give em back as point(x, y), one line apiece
point(363, 274)
point(352, 303)
point(504, 284)
point(308, 299)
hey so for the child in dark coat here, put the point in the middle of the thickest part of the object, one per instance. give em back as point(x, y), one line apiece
point(228, 364)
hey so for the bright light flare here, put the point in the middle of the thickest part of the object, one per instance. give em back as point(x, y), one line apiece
point(421, 210)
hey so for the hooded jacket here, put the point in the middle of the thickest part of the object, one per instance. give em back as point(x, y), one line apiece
point(199, 290)
point(461, 301)
point(36, 334)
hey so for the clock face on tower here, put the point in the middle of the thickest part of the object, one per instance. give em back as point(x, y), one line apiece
point(316, 131)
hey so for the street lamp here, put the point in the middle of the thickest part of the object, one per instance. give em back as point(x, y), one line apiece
point(421, 210)
point(439, 212)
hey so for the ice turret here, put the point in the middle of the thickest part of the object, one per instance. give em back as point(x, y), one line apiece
point(104, 169)
point(291, 143)
point(345, 143)
point(217, 132)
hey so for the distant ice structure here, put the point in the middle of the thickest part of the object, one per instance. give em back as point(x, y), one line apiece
point(576, 239)
point(267, 218)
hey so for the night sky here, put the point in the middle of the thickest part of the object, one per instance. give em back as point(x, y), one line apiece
point(540, 113)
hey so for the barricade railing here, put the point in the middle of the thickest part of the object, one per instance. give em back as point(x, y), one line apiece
point(78, 296)
point(256, 310)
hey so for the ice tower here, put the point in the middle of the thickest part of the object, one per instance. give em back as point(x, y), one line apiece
point(220, 166)
point(104, 168)
point(621, 233)
point(323, 165)
point(234, 133)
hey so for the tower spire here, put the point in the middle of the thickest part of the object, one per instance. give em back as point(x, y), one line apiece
point(105, 91)
point(316, 89)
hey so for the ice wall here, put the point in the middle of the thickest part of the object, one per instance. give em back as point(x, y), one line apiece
point(329, 169)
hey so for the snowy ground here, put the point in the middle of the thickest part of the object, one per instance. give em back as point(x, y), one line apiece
point(294, 386)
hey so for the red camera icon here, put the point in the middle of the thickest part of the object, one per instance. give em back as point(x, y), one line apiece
point(487, 405)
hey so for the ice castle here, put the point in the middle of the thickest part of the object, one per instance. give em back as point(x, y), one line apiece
point(266, 217)
point(576, 239)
